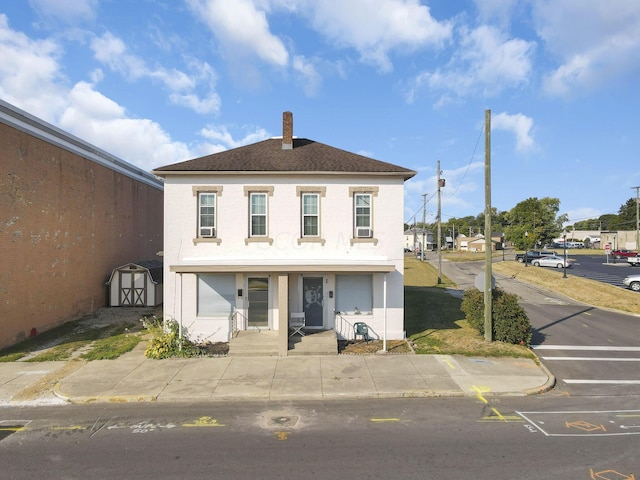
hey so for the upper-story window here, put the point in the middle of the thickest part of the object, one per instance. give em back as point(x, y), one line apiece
point(363, 213)
point(310, 214)
point(206, 199)
point(258, 203)
point(310, 210)
point(363, 210)
point(258, 214)
point(207, 215)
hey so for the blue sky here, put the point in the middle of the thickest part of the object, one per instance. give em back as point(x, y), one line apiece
point(404, 81)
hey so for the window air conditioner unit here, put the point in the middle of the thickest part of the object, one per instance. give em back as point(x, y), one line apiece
point(207, 232)
point(363, 232)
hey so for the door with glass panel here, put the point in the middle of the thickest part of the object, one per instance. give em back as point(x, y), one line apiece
point(258, 298)
point(313, 301)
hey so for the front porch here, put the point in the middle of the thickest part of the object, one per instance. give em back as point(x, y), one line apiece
point(252, 343)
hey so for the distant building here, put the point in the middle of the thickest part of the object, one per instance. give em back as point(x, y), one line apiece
point(69, 214)
point(414, 238)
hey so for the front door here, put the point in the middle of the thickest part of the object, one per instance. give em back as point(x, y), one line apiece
point(313, 301)
point(258, 297)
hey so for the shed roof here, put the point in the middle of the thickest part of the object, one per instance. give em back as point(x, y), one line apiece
point(154, 267)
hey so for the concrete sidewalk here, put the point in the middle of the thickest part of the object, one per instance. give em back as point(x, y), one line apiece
point(134, 378)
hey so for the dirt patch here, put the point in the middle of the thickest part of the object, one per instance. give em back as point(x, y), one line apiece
point(45, 384)
point(372, 347)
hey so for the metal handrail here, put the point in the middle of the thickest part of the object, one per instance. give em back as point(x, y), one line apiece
point(341, 330)
point(233, 318)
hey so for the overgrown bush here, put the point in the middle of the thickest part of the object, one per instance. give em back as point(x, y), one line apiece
point(510, 321)
point(166, 341)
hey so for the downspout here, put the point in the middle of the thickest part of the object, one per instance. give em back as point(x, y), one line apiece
point(384, 308)
point(180, 312)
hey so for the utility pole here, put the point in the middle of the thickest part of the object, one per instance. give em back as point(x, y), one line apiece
point(440, 184)
point(637, 217)
point(488, 243)
point(424, 220)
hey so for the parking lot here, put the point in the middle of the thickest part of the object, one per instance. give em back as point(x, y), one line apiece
point(600, 267)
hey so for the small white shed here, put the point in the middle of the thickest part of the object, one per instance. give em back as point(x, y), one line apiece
point(136, 285)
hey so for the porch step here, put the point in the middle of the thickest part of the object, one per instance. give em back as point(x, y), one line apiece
point(254, 343)
point(314, 343)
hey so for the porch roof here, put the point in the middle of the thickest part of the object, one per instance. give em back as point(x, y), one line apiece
point(266, 267)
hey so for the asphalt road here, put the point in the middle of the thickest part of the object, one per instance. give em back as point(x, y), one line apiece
point(602, 268)
point(539, 438)
point(590, 351)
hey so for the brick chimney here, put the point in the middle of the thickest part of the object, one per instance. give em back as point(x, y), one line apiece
point(287, 131)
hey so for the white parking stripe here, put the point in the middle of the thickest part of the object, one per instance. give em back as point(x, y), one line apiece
point(593, 359)
point(586, 347)
point(609, 382)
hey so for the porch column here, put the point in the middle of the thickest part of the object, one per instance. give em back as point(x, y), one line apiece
point(283, 315)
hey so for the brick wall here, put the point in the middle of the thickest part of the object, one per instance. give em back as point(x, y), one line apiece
point(65, 223)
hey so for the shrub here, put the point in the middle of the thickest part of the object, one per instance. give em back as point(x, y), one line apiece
point(166, 341)
point(510, 321)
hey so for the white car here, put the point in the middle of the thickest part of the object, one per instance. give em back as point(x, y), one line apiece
point(551, 261)
point(632, 282)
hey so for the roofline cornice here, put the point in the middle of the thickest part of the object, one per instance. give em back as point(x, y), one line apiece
point(165, 173)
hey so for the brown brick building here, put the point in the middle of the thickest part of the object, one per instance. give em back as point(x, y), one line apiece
point(69, 214)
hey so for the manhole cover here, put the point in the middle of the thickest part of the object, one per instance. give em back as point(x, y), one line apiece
point(284, 421)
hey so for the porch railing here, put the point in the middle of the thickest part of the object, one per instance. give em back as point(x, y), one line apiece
point(344, 328)
point(237, 320)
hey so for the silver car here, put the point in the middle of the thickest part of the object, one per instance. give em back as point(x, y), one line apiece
point(632, 282)
point(551, 261)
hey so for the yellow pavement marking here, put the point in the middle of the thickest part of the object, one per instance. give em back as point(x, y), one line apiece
point(282, 435)
point(204, 422)
point(380, 420)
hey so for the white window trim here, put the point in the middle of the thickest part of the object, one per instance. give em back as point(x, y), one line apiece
point(207, 189)
point(268, 192)
point(305, 215)
point(364, 190)
point(264, 215)
point(321, 192)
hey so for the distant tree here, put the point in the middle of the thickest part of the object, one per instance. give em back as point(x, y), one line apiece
point(627, 214)
point(534, 222)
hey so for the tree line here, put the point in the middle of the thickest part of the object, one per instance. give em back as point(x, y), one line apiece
point(534, 222)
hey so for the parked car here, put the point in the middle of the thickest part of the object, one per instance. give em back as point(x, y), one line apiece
point(624, 253)
point(531, 255)
point(551, 261)
point(632, 282)
point(634, 261)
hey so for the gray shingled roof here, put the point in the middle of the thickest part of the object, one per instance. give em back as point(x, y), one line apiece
point(269, 156)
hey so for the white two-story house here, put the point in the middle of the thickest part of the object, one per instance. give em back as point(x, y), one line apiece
point(284, 225)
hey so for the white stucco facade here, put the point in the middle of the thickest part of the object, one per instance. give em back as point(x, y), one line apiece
point(283, 271)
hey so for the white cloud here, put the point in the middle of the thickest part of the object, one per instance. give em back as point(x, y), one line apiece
point(375, 28)
point(583, 213)
point(241, 27)
point(101, 121)
point(308, 75)
point(112, 52)
point(460, 193)
point(30, 76)
point(224, 139)
point(520, 125)
point(66, 10)
point(486, 62)
point(594, 42)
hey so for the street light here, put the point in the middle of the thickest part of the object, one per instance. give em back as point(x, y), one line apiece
point(526, 245)
point(564, 244)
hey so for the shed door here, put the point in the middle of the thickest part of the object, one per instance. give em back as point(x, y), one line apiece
point(132, 289)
